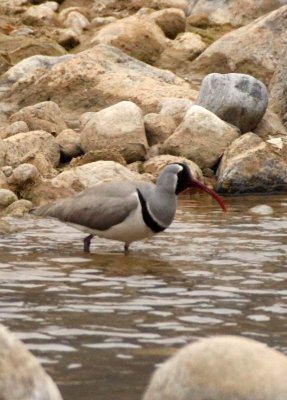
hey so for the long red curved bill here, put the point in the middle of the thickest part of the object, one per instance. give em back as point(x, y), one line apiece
point(206, 189)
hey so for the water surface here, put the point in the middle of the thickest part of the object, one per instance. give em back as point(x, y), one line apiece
point(99, 323)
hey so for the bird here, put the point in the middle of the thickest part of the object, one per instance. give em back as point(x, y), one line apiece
point(126, 211)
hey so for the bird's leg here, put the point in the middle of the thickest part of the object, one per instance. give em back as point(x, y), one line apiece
point(126, 247)
point(87, 242)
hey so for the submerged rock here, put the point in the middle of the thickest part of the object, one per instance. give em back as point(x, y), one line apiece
point(221, 368)
point(238, 99)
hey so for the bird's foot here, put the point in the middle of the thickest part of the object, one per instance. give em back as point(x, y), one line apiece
point(87, 242)
point(126, 247)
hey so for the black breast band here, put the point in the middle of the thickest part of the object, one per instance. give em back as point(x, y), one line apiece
point(148, 219)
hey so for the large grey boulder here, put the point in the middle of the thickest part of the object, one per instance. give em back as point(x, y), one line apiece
point(201, 137)
point(251, 166)
point(221, 368)
point(119, 127)
point(238, 99)
point(21, 375)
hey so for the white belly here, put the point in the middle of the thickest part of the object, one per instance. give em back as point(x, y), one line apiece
point(130, 230)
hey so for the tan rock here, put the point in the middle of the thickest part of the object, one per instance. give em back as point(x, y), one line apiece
point(22, 377)
point(270, 125)
point(175, 108)
point(96, 78)
point(7, 197)
point(98, 155)
point(22, 175)
point(233, 12)
point(19, 148)
point(251, 370)
point(179, 53)
point(161, 4)
point(75, 20)
point(278, 88)
point(45, 116)
point(44, 13)
point(3, 181)
point(252, 166)
point(170, 20)
point(154, 165)
point(119, 127)
point(254, 49)
point(158, 127)
point(19, 208)
point(202, 137)
point(90, 174)
point(137, 36)
point(70, 143)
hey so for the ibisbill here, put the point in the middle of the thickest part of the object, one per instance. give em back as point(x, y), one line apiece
point(126, 211)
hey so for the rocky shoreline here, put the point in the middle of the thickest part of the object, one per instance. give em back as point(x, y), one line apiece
point(111, 90)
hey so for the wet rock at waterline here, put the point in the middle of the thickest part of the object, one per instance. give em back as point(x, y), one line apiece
point(7, 197)
point(238, 99)
point(18, 209)
point(21, 375)
point(202, 137)
point(119, 127)
point(221, 368)
point(251, 165)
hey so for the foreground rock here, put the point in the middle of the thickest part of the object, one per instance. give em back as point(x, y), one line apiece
point(119, 127)
point(238, 99)
point(202, 137)
point(95, 79)
point(250, 165)
point(21, 375)
point(254, 49)
point(251, 370)
point(7, 197)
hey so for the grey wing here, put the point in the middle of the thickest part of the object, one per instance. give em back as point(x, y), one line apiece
point(98, 208)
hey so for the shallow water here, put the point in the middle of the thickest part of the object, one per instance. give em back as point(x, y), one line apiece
point(99, 323)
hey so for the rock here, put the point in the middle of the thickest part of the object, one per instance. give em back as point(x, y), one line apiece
point(201, 137)
point(278, 88)
point(233, 12)
point(23, 175)
point(27, 67)
point(119, 127)
point(179, 53)
point(5, 228)
point(22, 377)
point(13, 129)
point(19, 208)
point(19, 148)
point(262, 209)
point(98, 78)
point(170, 20)
point(3, 181)
point(44, 13)
point(270, 126)
point(197, 369)
point(101, 21)
point(67, 38)
point(154, 165)
point(251, 166)
point(90, 174)
point(70, 143)
point(7, 170)
point(139, 37)
point(73, 19)
point(161, 4)
point(15, 49)
point(158, 127)
point(254, 49)
point(44, 116)
point(238, 99)
point(175, 108)
point(98, 155)
point(7, 197)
